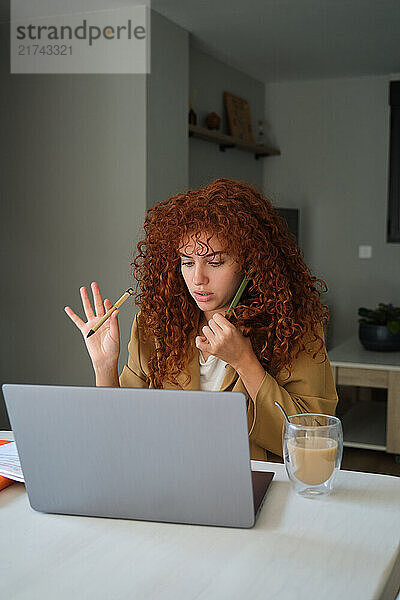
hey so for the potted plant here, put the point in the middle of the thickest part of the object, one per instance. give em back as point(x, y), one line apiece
point(380, 328)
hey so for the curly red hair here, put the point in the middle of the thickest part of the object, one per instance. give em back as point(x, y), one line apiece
point(280, 309)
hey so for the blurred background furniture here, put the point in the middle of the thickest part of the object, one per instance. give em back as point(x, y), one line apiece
point(369, 424)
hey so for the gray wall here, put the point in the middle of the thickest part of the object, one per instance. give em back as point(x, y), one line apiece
point(73, 198)
point(208, 80)
point(84, 157)
point(167, 92)
point(334, 139)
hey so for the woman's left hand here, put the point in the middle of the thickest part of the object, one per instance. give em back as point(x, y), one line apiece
point(222, 339)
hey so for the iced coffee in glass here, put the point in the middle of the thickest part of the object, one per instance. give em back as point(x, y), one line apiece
point(312, 449)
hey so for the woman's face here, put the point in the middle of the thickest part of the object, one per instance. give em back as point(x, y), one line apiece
point(209, 270)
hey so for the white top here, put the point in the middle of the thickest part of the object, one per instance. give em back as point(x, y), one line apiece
point(212, 372)
point(346, 544)
point(352, 353)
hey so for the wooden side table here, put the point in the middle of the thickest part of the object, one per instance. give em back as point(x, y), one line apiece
point(370, 425)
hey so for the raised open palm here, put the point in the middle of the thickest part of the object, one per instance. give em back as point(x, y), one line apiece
point(104, 345)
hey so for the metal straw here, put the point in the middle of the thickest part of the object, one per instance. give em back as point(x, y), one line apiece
point(283, 411)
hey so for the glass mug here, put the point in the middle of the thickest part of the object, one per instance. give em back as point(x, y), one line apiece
point(312, 452)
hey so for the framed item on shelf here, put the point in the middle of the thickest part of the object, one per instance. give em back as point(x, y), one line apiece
point(239, 118)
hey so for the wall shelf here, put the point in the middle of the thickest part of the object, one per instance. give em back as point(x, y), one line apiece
point(227, 141)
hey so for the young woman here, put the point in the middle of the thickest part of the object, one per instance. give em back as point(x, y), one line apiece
point(197, 248)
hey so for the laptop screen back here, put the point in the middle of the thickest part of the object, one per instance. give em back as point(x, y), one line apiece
point(160, 455)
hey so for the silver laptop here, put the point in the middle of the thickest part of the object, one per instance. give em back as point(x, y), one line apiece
point(159, 455)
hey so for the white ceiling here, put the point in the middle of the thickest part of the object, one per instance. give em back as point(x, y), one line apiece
point(279, 40)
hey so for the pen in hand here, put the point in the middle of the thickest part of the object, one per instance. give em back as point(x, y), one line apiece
point(119, 302)
point(237, 297)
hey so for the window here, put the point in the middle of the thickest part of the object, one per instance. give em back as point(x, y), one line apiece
point(393, 222)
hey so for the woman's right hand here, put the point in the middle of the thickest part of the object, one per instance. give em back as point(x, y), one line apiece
point(104, 345)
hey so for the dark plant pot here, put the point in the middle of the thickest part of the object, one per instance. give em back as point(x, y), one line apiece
point(378, 338)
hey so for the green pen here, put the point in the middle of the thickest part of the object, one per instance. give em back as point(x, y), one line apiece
point(237, 297)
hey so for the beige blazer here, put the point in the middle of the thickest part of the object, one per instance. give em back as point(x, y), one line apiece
point(310, 388)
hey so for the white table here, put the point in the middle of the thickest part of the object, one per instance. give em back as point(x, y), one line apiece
point(345, 546)
point(371, 425)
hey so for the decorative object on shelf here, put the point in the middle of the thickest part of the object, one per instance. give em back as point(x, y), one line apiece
point(260, 133)
point(239, 118)
point(192, 115)
point(213, 121)
point(227, 141)
point(379, 329)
